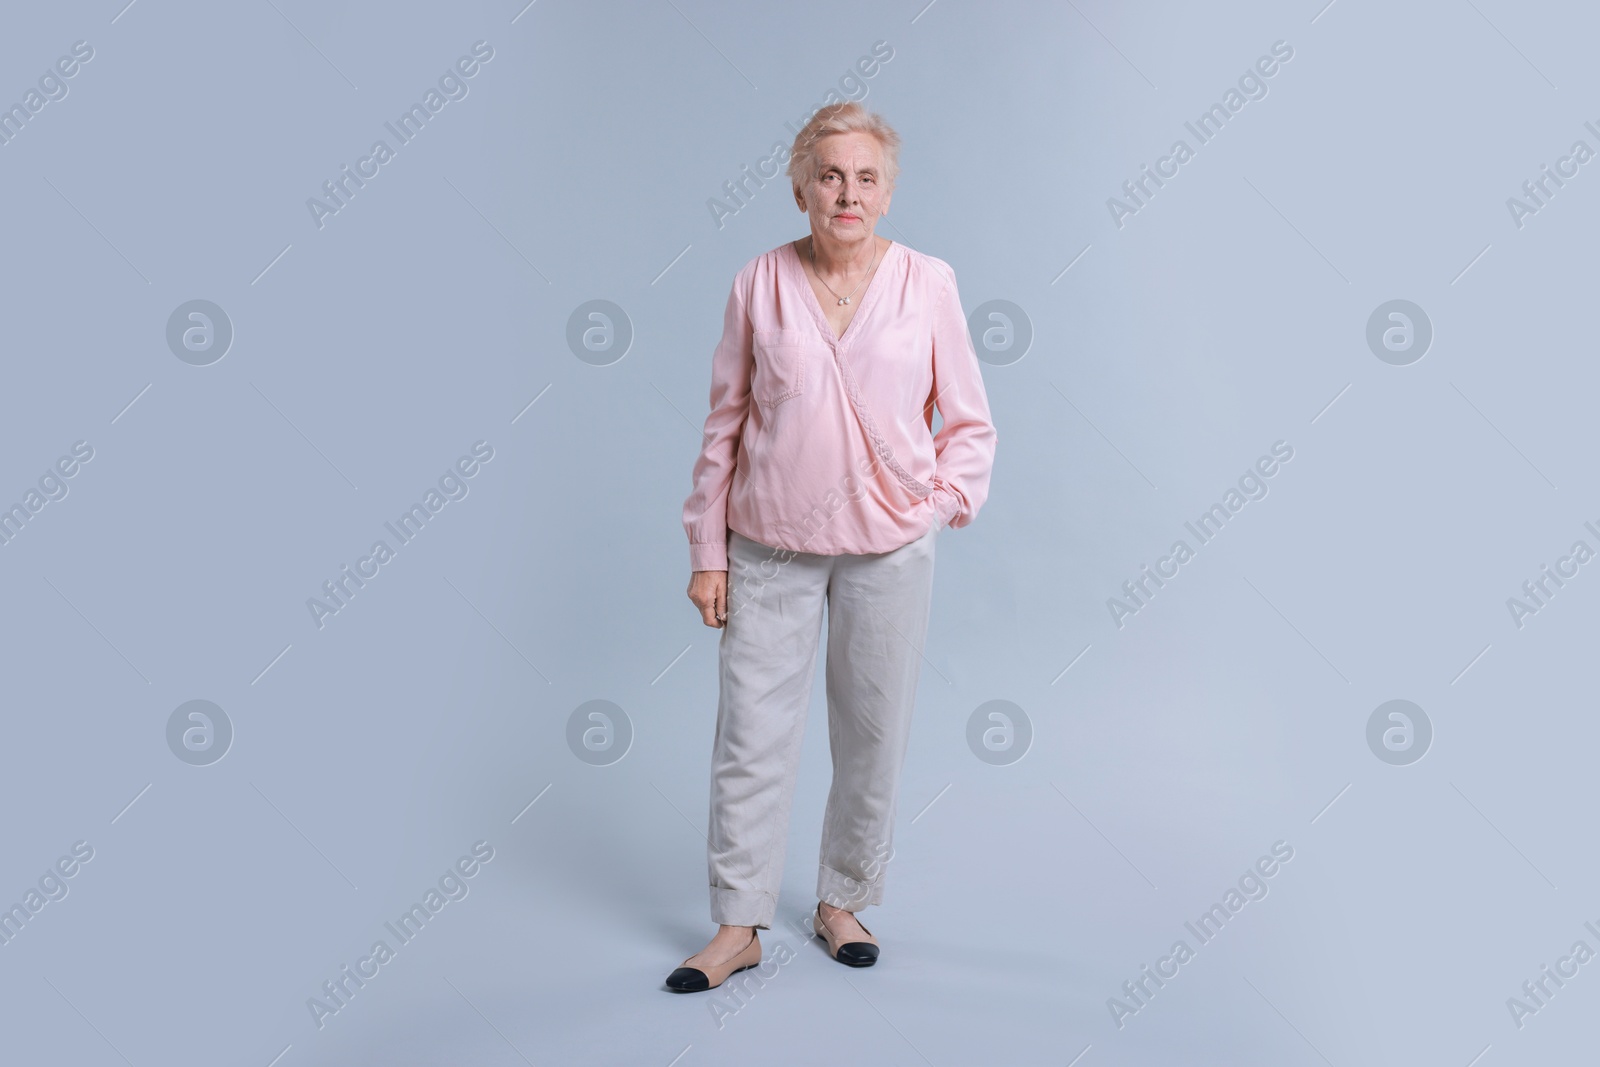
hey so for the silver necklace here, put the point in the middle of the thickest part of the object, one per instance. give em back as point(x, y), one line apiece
point(843, 300)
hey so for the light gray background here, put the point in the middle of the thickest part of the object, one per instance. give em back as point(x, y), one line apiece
point(428, 314)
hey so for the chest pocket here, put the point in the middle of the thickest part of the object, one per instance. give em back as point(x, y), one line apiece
point(780, 370)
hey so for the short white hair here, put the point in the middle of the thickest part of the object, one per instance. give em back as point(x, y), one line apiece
point(845, 117)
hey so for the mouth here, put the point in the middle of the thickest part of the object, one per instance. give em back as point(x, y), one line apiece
point(848, 218)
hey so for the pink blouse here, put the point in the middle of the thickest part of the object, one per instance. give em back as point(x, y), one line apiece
point(825, 444)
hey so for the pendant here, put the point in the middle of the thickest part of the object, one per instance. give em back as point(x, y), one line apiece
point(843, 301)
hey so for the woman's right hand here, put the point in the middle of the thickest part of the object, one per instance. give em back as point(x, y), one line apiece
point(709, 591)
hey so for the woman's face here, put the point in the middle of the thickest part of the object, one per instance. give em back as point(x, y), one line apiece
point(847, 195)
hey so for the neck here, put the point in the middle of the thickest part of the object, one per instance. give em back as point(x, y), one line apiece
point(835, 258)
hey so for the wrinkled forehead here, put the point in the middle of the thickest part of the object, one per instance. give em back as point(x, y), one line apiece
point(850, 152)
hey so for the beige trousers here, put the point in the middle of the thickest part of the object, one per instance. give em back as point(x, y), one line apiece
point(877, 607)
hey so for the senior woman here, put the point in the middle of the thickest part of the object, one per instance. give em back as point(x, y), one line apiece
point(820, 482)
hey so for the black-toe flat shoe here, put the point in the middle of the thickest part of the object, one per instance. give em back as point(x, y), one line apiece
point(696, 979)
point(852, 953)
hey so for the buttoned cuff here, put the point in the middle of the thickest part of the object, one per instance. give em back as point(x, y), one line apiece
point(708, 555)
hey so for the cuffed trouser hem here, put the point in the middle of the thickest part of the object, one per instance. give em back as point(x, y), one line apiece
point(743, 907)
point(848, 894)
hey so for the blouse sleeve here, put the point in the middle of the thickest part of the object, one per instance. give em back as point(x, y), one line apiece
point(965, 444)
point(705, 513)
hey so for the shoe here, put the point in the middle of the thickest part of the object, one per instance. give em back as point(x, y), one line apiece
point(695, 979)
point(854, 953)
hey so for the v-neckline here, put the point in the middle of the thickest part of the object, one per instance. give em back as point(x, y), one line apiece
point(868, 298)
